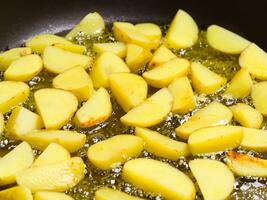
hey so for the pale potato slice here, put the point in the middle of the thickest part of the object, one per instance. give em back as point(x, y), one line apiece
point(96, 110)
point(240, 85)
point(215, 139)
point(15, 193)
point(128, 89)
point(22, 121)
point(159, 178)
point(205, 80)
point(215, 180)
point(53, 153)
point(77, 81)
point(117, 48)
point(183, 95)
point(70, 140)
point(91, 24)
point(225, 41)
point(255, 139)
point(106, 64)
point(56, 177)
point(111, 194)
point(164, 74)
point(74, 48)
point(161, 145)
point(137, 57)
point(9, 56)
point(57, 60)
point(183, 31)
point(44, 195)
point(115, 151)
point(213, 114)
point(247, 116)
point(55, 106)
point(151, 111)
point(258, 94)
point(11, 94)
point(15, 161)
point(152, 31)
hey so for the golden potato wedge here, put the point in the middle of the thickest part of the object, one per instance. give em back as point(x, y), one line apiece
point(183, 31)
point(70, 140)
point(240, 85)
point(159, 178)
point(111, 194)
point(225, 41)
point(77, 81)
point(106, 64)
point(247, 116)
point(254, 139)
point(55, 106)
point(258, 94)
point(15, 193)
point(183, 95)
point(215, 180)
point(117, 48)
point(56, 177)
point(11, 94)
point(15, 161)
point(44, 195)
point(164, 74)
point(96, 110)
point(74, 48)
point(214, 139)
point(213, 114)
point(128, 89)
point(205, 80)
point(2, 123)
point(161, 145)
point(151, 111)
point(115, 151)
point(152, 31)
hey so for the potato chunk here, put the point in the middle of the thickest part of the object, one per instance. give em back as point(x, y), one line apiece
point(117, 48)
point(183, 31)
point(56, 177)
point(151, 111)
point(128, 89)
point(2, 123)
point(111, 194)
point(11, 94)
point(214, 139)
point(77, 81)
point(55, 106)
point(152, 31)
point(215, 180)
point(106, 64)
point(96, 110)
point(159, 178)
point(15, 193)
point(255, 139)
point(115, 151)
point(51, 196)
point(164, 74)
point(161, 145)
point(213, 114)
point(225, 41)
point(74, 48)
point(258, 94)
point(15, 161)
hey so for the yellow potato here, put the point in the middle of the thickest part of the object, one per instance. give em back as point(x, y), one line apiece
point(213, 114)
point(240, 85)
point(91, 24)
point(258, 94)
point(22, 121)
point(215, 180)
point(2, 123)
point(205, 80)
point(67, 60)
point(11, 94)
point(55, 106)
point(151, 111)
point(51, 196)
point(77, 81)
point(159, 178)
point(137, 57)
point(15, 161)
point(255, 139)
point(225, 41)
point(111, 194)
point(70, 140)
point(128, 89)
point(96, 110)
point(15, 193)
point(183, 95)
point(164, 74)
point(183, 31)
point(7, 57)
point(214, 139)
point(247, 116)
point(56, 177)
point(117, 48)
point(161, 145)
point(115, 151)
point(152, 31)
point(106, 64)
point(74, 48)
